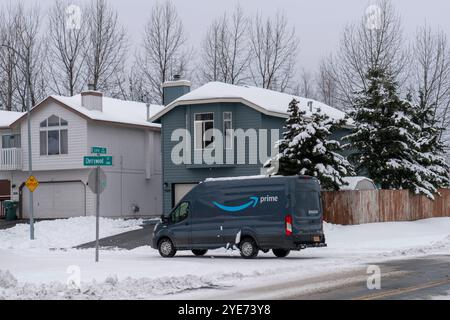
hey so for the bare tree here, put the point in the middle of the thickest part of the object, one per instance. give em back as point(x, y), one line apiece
point(431, 75)
point(106, 46)
point(305, 86)
point(376, 41)
point(326, 86)
point(225, 52)
point(164, 51)
point(274, 50)
point(66, 53)
point(8, 57)
point(31, 46)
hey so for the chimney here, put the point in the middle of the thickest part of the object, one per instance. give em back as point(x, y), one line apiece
point(172, 90)
point(91, 99)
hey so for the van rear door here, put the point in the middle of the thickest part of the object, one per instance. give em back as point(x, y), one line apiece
point(307, 217)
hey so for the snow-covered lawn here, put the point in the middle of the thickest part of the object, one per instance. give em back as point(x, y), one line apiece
point(37, 270)
point(63, 233)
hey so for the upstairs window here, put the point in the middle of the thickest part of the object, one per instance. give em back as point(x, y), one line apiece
point(10, 141)
point(53, 136)
point(228, 130)
point(203, 125)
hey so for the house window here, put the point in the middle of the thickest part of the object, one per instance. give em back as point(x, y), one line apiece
point(203, 125)
point(228, 130)
point(10, 141)
point(53, 136)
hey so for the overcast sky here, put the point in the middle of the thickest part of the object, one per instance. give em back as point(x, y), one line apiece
point(318, 23)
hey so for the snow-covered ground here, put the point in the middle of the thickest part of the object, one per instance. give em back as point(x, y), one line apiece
point(42, 268)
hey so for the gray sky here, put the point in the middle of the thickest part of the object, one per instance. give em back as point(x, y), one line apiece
point(318, 23)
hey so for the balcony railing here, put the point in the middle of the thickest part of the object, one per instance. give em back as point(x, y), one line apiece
point(10, 159)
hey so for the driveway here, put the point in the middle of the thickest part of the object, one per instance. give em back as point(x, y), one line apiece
point(128, 240)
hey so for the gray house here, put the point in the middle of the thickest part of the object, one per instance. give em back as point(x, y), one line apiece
point(250, 120)
point(63, 131)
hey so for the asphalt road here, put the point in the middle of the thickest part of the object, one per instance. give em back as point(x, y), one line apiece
point(409, 279)
point(128, 240)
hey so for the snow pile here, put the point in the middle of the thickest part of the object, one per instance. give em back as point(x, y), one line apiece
point(110, 288)
point(63, 233)
point(7, 280)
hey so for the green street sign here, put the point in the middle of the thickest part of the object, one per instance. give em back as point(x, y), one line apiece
point(98, 150)
point(100, 161)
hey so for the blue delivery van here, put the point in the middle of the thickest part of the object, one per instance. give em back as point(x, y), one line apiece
point(252, 214)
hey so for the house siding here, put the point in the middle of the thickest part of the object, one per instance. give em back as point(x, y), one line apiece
point(77, 140)
point(243, 117)
point(134, 179)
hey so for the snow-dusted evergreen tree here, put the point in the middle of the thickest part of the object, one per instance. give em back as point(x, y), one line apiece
point(431, 148)
point(386, 141)
point(307, 150)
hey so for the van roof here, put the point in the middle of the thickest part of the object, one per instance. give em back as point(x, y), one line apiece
point(255, 178)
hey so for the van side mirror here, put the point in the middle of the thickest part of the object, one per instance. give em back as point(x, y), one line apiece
point(165, 219)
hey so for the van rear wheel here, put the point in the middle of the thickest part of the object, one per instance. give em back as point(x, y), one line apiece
point(281, 253)
point(248, 248)
point(166, 248)
point(199, 252)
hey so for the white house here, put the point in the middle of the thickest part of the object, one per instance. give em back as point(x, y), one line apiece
point(63, 130)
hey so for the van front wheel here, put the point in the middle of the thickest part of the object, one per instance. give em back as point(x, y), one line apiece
point(166, 248)
point(281, 253)
point(248, 248)
point(199, 252)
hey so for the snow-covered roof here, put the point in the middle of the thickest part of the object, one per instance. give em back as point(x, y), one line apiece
point(266, 101)
point(9, 117)
point(358, 183)
point(114, 110)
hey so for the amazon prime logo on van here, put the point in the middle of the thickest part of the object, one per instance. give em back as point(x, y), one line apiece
point(252, 203)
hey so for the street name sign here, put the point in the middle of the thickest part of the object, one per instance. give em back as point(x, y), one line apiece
point(98, 161)
point(99, 150)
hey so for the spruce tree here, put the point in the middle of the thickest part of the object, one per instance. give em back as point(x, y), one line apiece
point(385, 142)
point(307, 150)
point(431, 148)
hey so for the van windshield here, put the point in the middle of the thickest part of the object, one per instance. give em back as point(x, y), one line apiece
point(308, 203)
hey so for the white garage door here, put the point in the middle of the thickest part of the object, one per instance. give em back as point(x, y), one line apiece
point(181, 190)
point(58, 200)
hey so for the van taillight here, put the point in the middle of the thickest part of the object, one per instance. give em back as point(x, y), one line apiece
point(288, 223)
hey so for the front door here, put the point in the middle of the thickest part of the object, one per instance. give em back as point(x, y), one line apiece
point(180, 225)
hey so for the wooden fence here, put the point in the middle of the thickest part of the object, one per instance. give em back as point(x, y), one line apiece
point(358, 207)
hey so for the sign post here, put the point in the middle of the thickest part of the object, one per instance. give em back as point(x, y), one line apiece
point(32, 183)
point(97, 184)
